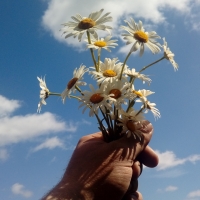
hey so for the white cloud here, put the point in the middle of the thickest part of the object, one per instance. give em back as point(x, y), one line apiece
point(172, 173)
point(171, 188)
point(14, 129)
point(53, 159)
point(83, 121)
point(50, 143)
point(8, 106)
point(194, 158)
point(125, 48)
point(194, 16)
point(19, 189)
point(194, 194)
point(168, 189)
point(60, 11)
point(168, 160)
point(3, 154)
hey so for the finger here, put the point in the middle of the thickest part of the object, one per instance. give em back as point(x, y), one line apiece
point(137, 166)
point(148, 157)
point(136, 196)
point(137, 170)
point(133, 196)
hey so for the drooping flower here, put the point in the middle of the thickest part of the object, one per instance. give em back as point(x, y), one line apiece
point(151, 106)
point(74, 82)
point(102, 43)
point(169, 55)
point(95, 100)
point(44, 93)
point(132, 73)
point(137, 35)
point(131, 122)
point(109, 70)
point(92, 23)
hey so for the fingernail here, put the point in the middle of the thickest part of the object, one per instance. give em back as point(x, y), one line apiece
point(146, 127)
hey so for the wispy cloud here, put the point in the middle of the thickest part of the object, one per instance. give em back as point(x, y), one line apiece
point(194, 194)
point(49, 143)
point(3, 154)
point(194, 15)
point(19, 189)
point(60, 11)
point(171, 188)
point(83, 121)
point(168, 159)
point(14, 129)
point(171, 173)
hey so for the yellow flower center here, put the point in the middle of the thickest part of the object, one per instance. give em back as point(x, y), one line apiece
point(96, 98)
point(86, 23)
point(71, 83)
point(117, 93)
point(139, 94)
point(100, 43)
point(141, 36)
point(131, 125)
point(109, 73)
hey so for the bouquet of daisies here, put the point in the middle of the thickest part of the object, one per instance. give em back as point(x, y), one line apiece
point(113, 98)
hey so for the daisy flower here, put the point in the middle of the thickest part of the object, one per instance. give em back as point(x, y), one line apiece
point(137, 35)
point(119, 91)
point(130, 122)
point(92, 23)
point(133, 74)
point(95, 99)
point(109, 70)
point(44, 93)
point(102, 43)
point(169, 55)
point(74, 82)
point(151, 106)
point(142, 95)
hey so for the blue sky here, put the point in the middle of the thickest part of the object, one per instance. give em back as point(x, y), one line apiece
point(35, 148)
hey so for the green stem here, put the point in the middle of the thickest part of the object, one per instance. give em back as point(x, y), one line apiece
point(75, 97)
point(55, 94)
point(91, 51)
point(132, 80)
point(103, 129)
point(78, 89)
point(105, 117)
point(124, 64)
point(115, 120)
point(139, 111)
point(151, 64)
point(99, 55)
point(131, 104)
point(109, 117)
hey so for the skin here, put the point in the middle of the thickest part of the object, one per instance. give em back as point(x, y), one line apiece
point(99, 170)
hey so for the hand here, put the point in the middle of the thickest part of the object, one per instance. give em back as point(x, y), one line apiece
point(105, 171)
